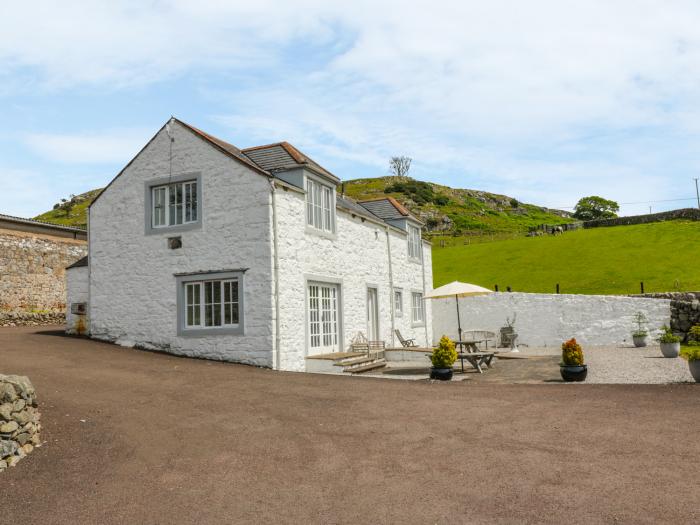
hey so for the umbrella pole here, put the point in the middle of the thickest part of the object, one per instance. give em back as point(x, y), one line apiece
point(459, 323)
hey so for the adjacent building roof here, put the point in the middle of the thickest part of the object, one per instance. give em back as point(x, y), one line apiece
point(83, 261)
point(33, 226)
point(387, 209)
point(283, 156)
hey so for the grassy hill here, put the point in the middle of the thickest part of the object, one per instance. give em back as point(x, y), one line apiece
point(71, 211)
point(665, 255)
point(453, 211)
point(445, 210)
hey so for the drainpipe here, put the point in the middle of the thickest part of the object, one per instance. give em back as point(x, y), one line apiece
point(88, 328)
point(276, 361)
point(425, 310)
point(391, 288)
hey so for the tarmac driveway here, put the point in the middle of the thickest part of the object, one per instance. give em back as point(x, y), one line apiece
point(139, 437)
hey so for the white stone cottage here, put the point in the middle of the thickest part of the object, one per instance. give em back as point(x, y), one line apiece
point(198, 248)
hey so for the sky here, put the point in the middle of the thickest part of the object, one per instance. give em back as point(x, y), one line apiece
point(545, 101)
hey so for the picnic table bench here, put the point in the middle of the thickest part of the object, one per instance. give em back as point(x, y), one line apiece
point(468, 350)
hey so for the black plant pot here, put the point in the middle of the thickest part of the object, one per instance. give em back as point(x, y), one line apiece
point(573, 372)
point(443, 374)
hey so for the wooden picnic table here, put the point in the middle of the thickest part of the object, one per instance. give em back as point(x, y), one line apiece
point(470, 351)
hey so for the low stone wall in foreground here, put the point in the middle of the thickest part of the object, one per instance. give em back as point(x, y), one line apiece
point(31, 319)
point(19, 420)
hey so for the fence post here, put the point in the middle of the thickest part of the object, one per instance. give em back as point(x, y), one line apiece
point(495, 287)
point(557, 287)
point(641, 286)
point(508, 289)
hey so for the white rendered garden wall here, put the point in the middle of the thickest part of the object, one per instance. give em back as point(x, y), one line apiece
point(548, 320)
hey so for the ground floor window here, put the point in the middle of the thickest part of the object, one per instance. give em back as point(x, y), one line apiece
point(323, 317)
point(210, 304)
point(417, 309)
point(398, 303)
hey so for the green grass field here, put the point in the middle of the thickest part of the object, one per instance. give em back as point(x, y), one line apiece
point(665, 255)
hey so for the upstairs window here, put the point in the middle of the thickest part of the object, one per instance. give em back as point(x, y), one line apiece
point(319, 206)
point(414, 242)
point(174, 204)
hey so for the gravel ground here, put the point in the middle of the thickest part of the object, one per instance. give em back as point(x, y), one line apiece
point(625, 364)
point(139, 437)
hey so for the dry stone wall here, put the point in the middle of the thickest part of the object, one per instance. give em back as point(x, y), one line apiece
point(19, 419)
point(32, 270)
point(692, 214)
point(685, 310)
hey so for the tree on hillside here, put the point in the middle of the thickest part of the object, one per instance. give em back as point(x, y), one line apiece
point(594, 207)
point(399, 166)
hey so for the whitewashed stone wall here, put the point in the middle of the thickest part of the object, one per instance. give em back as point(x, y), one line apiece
point(548, 320)
point(77, 291)
point(356, 258)
point(133, 287)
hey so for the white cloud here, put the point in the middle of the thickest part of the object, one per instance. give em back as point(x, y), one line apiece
point(89, 148)
point(542, 99)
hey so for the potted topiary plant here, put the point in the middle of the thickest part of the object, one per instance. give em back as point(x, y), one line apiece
point(640, 336)
point(571, 366)
point(670, 343)
point(443, 357)
point(691, 353)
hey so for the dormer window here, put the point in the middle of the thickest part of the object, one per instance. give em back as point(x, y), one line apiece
point(320, 206)
point(413, 242)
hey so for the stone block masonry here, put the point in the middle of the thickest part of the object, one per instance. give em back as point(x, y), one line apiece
point(19, 419)
point(32, 270)
point(685, 310)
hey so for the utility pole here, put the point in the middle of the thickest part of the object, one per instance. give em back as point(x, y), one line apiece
point(697, 192)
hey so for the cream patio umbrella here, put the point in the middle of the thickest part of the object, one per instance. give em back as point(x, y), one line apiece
point(457, 289)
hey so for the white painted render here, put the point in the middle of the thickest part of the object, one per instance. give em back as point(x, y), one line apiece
point(549, 320)
point(356, 257)
point(77, 291)
point(132, 275)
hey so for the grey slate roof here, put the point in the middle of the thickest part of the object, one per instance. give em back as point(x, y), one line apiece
point(283, 156)
point(354, 207)
point(383, 209)
point(22, 220)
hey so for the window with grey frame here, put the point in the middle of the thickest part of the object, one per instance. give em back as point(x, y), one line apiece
point(414, 242)
point(319, 206)
point(398, 303)
point(174, 204)
point(417, 308)
point(211, 304)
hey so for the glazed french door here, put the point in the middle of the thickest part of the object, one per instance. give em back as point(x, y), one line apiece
point(372, 315)
point(323, 318)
